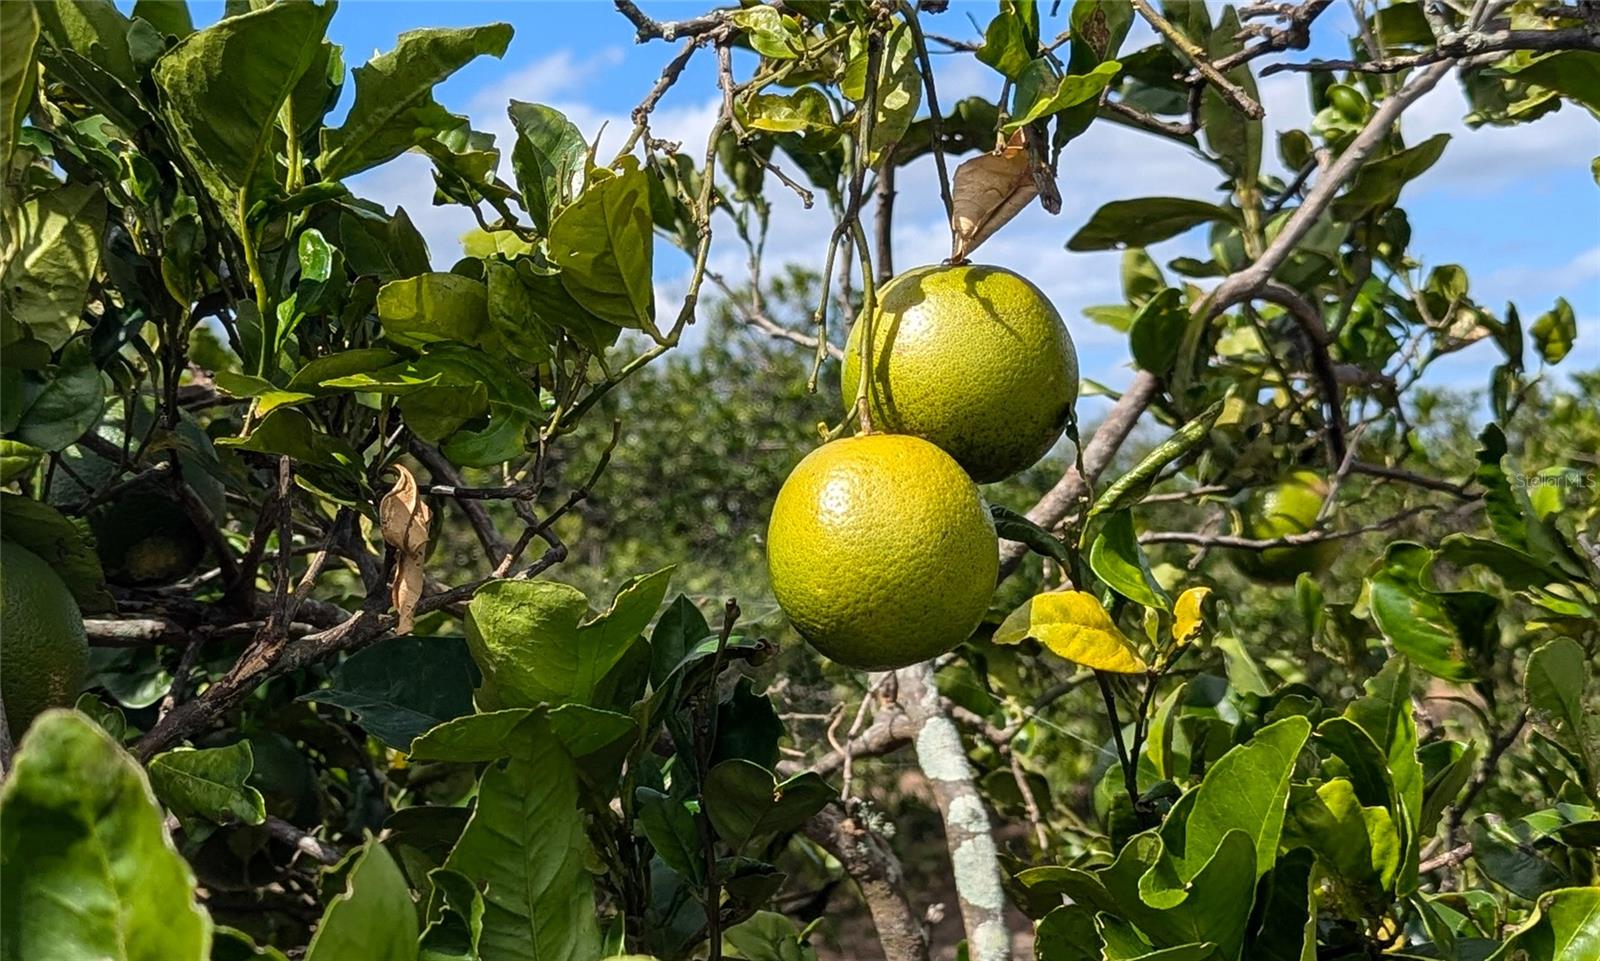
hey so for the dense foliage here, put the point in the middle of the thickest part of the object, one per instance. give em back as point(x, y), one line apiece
point(375, 559)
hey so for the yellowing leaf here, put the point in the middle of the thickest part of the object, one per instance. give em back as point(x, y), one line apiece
point(1187, 620)
point(988, 191)
point(1074, 625)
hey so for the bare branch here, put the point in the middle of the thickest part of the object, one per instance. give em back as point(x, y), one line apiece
point(1463, 45)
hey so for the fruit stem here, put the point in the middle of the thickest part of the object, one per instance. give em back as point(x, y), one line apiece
point(869, 307)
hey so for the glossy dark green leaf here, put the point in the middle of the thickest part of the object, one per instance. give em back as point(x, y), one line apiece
point(1508, 860)
point(1558, 685)
point(744, 801)
point(1156, 330)
point(65, 404)
point(1118, 560)
point(289, 432)
point(680, 627)
point(670, 827)
point(402, 687)
point(1012, 526)
point(1148, 220)
point(394, 109)
point(90, 870)
point(748, 727)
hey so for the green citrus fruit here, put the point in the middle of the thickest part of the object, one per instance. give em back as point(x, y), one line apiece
point(143, 535)
point(881, 551)
point(44, 653)
point(972, 358)
point(1289, 508)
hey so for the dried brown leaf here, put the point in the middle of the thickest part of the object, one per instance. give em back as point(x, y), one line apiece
point(988, 191)
point(404, 518)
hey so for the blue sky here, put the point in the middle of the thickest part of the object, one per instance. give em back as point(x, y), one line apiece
point(1517, 207)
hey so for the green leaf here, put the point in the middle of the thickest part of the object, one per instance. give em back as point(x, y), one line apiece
point(86, 44)
point(1118, 560)
point(527, 639)
point(488, 736)
point(1074, 625)
point(680, 627)
point(768, 936)
point(1565, 926)
point(1415, 619)
point(208, 783)
point(1131, 487)
point(17, 460)
point(394, 109)
point(287, 431)
point(1212, 907)
point(670, 827)
point(1360, 843)
point(1041, 93)
point(805, 111)
point(19, 38)
point(1384, 712)
point(1556, 682)
point(1012, 39)
point(1012, 526)
point(1232, 136)
point(1142, 222)
point(1554, 332)
point(66, 544)
point(548, 159)
point(434, 307)
point(86, 867)
point(745, 802)
point(66, 405)
point(899, 91)
point(1245, 791)
point(770, 32)
point(1447, 765)
point(1287, 910)
point(454, 918)
point(1505, 856)
point(51, 255)
point(1156, 331)
point(1378, 184)
point(1575, 74)
point(402, 687)
point(526, 848)
point(222, 89)
point(604, 245)
point(372, 917)
point(171, 17)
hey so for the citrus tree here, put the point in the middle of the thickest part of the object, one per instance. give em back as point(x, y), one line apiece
point(290, 661)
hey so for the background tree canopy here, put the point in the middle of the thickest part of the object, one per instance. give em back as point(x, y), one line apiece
point(367, 602)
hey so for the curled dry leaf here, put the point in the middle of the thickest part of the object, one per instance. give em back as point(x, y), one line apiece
point(988, 192)
point(404, 519)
